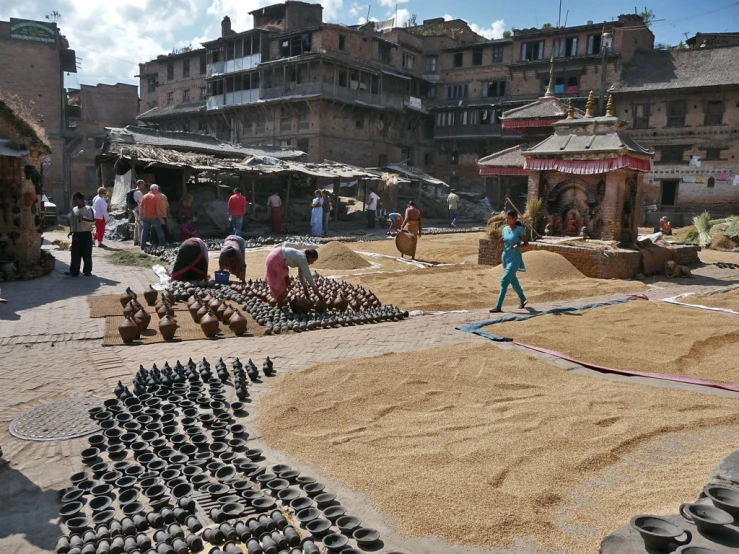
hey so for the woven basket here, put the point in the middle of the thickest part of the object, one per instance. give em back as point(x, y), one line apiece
point(406, 242)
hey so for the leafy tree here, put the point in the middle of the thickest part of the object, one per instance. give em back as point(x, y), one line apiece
point(506, 34)
point(547, 26)
point(411, 22)
point(647, 16)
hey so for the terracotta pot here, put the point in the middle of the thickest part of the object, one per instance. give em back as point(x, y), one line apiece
point(169, 297)
point(167, 327)
point(209, 324)
point(237, 323)
point(194, 308)
point(129, 309)
point(201, 313)
point(220, 311)
point(143, 319)
point(163, 310)
point(321, 306)
point(340, 303)
point(227, 313)
point(131, 293)
point(125, 299)
point(129, 330)
point(214, 305)
point(151, 296)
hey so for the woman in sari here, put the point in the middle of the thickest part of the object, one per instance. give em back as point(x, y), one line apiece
point(232, 257)
point(316, 217)
point(191, 263)
point(412, 223)
point(278, 273)
point(512, 239)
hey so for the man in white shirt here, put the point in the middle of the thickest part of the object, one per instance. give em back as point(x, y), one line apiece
point(372, 209)
point(274, 203)
point(81, 225)
point(100, 207)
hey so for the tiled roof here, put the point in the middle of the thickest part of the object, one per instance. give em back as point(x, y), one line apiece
point(680, 69)
point(196, 143)
point(600, 143)
point(173, 110)
point(543, 108)
point(510, 157)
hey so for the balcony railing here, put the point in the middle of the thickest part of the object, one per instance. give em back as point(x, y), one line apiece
point(466, 131)
point(334, 91)
point(231, 66)
point(233, 99)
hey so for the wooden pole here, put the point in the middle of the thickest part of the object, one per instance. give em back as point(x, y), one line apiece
point(218, 186)
point(287, 196)
point(253, 199)
point(337, 190)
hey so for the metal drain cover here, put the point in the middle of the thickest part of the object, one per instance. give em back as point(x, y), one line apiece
point(65, 419)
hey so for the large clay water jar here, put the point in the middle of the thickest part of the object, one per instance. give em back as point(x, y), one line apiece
point(129, 309)
point(194, 309)
point(151, 296)
point(340, 303)
point(124, 299)
point(209, 324)
point(237, 323)
point(143, 319)
point(167, 327)
point(201, 313)
point(227, 313)
point(128, 330)
point(163, 310)
point(220, 311)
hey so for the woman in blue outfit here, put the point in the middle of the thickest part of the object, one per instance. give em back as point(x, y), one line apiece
point(513, 238)
point(316, 217)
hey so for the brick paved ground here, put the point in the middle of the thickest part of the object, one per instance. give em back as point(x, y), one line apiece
point(50, 350)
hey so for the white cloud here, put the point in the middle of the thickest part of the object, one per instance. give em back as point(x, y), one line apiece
point(391, 3)
point(403, 17)
point(494, 31)
point(363, 20)
point(448, 17)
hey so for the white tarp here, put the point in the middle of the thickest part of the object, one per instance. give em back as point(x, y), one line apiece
point(121, 188)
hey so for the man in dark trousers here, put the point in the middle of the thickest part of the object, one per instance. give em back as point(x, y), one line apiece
point(81, 225)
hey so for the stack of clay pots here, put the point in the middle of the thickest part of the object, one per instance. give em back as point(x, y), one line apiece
point(137, 319)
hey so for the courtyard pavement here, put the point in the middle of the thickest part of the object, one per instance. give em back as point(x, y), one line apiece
point(51, 350)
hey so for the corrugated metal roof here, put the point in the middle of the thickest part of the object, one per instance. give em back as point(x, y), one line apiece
point(605, 143)
point(510, 157)
point(540, 109)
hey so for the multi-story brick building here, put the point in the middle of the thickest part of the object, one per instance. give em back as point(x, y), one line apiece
point(34, 56)
point(89, 110)
point(430, 95)
point(684, 103)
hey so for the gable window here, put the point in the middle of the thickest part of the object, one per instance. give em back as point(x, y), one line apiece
point(641, 116)
point(714, 113)
point(409, 60)
point(170, 71)
point(186, 67)
point(492, 89)
point(343, 81)
point(296, 45)
point(203, 63)
point(203, 93)
point(342, 42)
point(713, 154)
point(151, 84)
point(170, 97)
point(384, 51)
point(497, 54)
point(186, 95)
point(430, 65)
point(531, 51)
point(594, 44)
point(302, 118)
point(565, 47)
point(676, 113)
point(458, 59)
point(477, 56)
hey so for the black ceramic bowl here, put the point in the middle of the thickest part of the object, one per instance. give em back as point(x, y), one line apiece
point(725, 498)
point(263, 504)
point(133, 508)
point(288, 495)
point(157, 491)
point(225, 473)
point(314, 489)
point(103, 517)
point(335, 542)
point(104, 489)
point(182, 490)
point(308, 514)
point(70, 510)
point(253, 454)
point(100, 504)
point(348, 524)
point(73, 495)
point(216, 491)
point(334, 512)
point(218, 447)
point(366, 536)
point(228, 457)
point(318, 527)
point(233, 509)
point(325, 499)
point(128, 496)
point(301, 503)
point(78, 524)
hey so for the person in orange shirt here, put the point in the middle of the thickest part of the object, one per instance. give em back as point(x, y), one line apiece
point(153, 214)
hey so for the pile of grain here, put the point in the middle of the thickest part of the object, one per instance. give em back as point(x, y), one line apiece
point(336, 255)
point(549, 277)
point(479, 446)
point(639, 336)
point(726, 300)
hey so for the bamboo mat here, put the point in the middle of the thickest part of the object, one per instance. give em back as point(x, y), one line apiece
point(188, 330)
point(105, 305)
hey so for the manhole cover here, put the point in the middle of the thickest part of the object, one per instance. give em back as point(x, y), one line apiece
point(65, 419)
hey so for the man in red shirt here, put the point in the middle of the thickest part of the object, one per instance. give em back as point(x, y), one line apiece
point(237, 205)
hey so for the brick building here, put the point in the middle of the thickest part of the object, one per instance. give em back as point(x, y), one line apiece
point(90, 109)
point(34, 56)
point(684, 103)
point(431, 96)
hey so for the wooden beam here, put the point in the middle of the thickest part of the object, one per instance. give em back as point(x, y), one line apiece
point(337, 190)
point(287, 195)
point(253, 198)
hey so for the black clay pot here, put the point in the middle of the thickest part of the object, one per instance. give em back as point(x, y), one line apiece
point(308, 514)
point(78, 524)
point(103, 489)
point(218, 447)
point(264, 478)
point(314, 489)
point(325, 500)
point(334, 512)
point(133, 508)
point(117, 452)
point(182, 491)
point(225, 473)
point(263, 504)
point(228, 457)
point(334, 542)
point(100, 469)
point(188, 450)
point(253, 454)
point(71, 510)
point(127, 482)
point(366, 536)
point(73, 495)
point(301, 503)
point(288, 495)
point(128, 496)
point(178, 459)
point(91, 456)
point(319, 527)
point(219, 490)
point(104, 518)
point(155, 492)
point(157, 465)
point(97, 441)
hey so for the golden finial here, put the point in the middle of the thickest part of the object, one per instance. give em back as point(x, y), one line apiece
point(571, 112)
point(590, 106)
point(610, 108)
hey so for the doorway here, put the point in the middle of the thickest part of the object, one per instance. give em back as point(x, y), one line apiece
point(668, 193)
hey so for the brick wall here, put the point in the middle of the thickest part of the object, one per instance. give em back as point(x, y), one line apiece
point(177, 85)
point(618, 264)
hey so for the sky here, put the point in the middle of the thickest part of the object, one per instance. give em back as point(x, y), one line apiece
point(111, 37)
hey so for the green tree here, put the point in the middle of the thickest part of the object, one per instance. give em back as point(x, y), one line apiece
point(547, 26)
point(411, 22)
point(506, 34)
point(647, 16)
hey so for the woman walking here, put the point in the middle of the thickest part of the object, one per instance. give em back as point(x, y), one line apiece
point(100, 207)
point(413, 224)
point(316, 217)
point(278, 273)
point(232, 256)
point(512, 239)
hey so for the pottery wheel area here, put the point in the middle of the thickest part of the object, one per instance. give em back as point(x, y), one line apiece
point(61, 420)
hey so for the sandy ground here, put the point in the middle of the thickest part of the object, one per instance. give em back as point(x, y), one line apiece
point(639, 336)
point(440, 249)
point(714, 256)
point(727, 300)
point(478, 445)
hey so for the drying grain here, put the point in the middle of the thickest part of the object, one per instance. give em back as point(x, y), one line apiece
point(726, 300)
point(336, 255)
point(478, 446)
point(639, 336)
